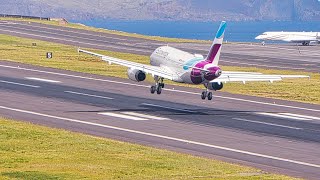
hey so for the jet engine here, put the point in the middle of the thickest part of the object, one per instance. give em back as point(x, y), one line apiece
point(215, 86)
point(136, 75)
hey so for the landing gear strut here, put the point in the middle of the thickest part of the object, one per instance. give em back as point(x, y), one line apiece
point(206, 94)
point(305, 44)
point(159, 85)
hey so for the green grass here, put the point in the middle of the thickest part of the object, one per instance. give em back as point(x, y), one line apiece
point(81, 26)
point(32, 152)
point(66, 57)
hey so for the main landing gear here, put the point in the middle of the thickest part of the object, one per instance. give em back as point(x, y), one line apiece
point(158, 87)
point(206, 94)
point(305, 43)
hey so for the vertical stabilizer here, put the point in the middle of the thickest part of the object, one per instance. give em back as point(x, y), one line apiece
point(214, 53)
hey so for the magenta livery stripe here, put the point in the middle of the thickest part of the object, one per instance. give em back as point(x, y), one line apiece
point(213, 52)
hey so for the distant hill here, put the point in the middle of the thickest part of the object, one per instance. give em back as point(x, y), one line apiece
point(198, 10)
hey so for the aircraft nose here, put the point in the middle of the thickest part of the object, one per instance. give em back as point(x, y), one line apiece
point(258, 37)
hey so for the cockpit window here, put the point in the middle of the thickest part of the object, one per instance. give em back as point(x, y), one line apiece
point(264, 34)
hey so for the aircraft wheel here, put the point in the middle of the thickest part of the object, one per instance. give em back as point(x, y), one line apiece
point(203, 95)
point(159, 90)
point(162, 85)
point(305, 43)
point(153, 89)
point(210, 96)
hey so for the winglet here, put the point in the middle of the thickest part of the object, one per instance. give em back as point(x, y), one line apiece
point(214, 53)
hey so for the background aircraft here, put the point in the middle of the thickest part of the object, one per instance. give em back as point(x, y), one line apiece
point(305, 38)
point(180, 66)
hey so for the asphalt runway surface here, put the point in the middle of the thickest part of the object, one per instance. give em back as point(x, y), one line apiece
point(286, 56)
point(274, 135)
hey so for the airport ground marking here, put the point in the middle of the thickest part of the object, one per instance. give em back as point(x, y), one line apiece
point(290, 116)
point(164, 137)
point(172, 90)
point(123, 116)
point(42, 80)
point(19, 84)
point(151, 117)
point(171, 108)
point(302, 116)
point(265, 123)
point(89, 95)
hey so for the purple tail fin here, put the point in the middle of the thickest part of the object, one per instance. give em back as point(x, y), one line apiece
point(214, 53)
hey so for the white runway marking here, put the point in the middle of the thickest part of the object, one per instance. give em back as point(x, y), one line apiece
point(290, 116)
point(123, 116)
point(172, 90)
point(165, 137)
point(145, 116)
point(19, 84)
point(165, 107)
point(90, 95)
point(265, 123)
point(301, 116)
point(43, 80)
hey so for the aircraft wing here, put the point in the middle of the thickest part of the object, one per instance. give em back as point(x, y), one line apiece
point(253, 77)
point(158, 71)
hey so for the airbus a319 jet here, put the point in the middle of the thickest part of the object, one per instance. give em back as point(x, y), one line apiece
point(183, 67)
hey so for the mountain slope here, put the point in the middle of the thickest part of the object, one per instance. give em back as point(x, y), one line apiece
point(200, 10)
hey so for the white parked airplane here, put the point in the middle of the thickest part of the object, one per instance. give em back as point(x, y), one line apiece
point(295, 37)
point(179, 66)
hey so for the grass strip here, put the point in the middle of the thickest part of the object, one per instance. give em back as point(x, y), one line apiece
point(66, 57)
point(33, 152)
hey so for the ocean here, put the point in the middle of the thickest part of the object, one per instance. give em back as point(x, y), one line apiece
point(236, 31)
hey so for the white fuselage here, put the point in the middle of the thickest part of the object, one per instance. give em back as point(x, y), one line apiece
point(174, 61)
point(298, 37)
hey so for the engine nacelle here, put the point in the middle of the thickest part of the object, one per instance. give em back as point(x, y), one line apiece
point(136, 75)
point(215, 86)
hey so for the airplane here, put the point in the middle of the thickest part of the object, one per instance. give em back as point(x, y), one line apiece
point(295, 37)
point(179, 66)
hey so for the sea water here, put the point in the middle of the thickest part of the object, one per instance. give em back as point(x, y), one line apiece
point(236, 31)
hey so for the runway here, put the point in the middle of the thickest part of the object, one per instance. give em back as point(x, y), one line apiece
point(286, 56)
point(274, 135)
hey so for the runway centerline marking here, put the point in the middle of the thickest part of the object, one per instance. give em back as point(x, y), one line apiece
point(42, 80)
point(172, 90)
point(89, 95)
point(19, 84)
point(265, 123)
point(171, 108)
point(123, 116)
point(164, 137)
